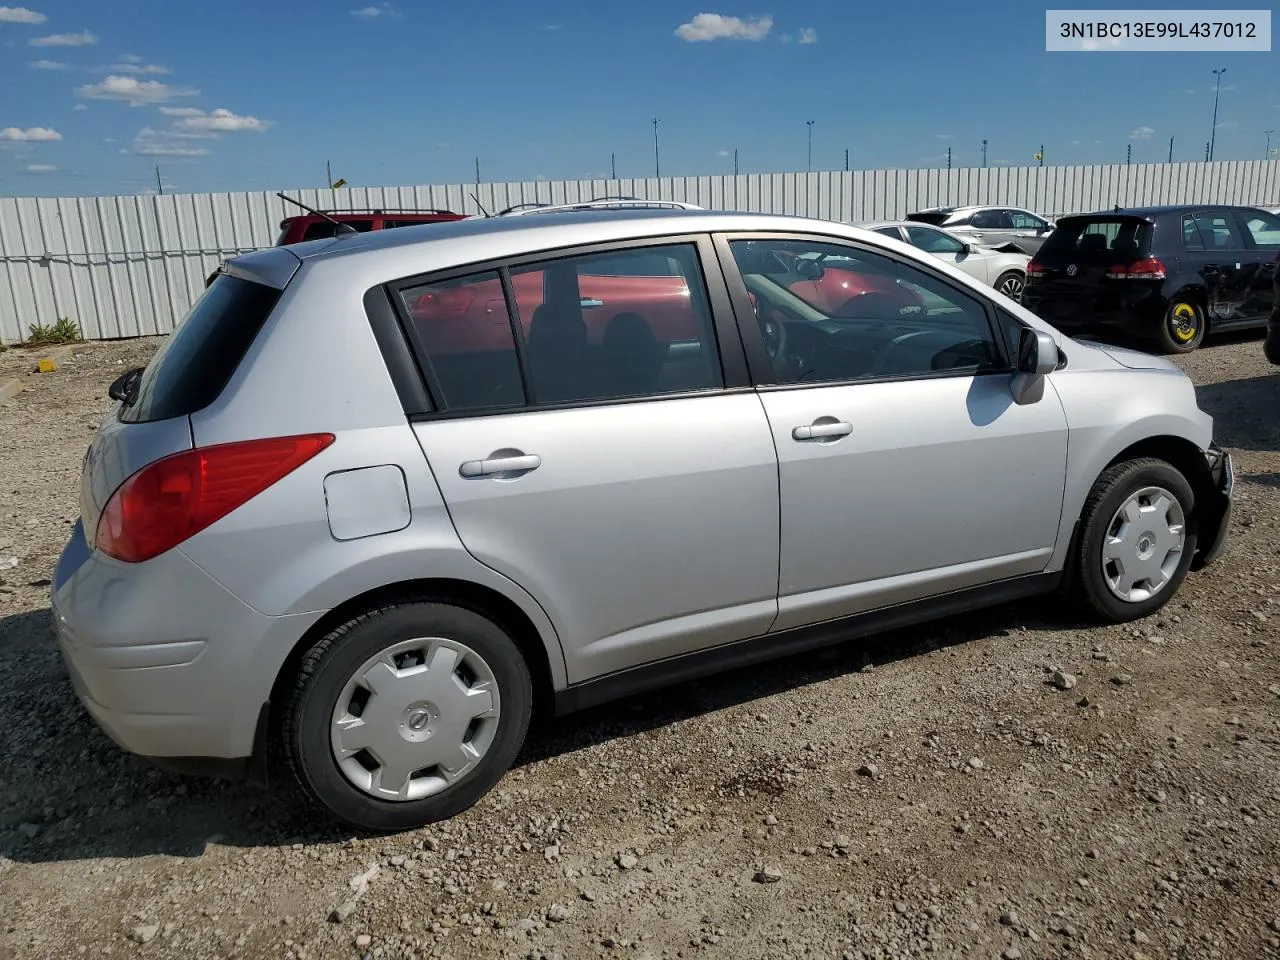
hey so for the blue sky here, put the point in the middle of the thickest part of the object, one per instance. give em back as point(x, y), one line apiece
point(252, 96)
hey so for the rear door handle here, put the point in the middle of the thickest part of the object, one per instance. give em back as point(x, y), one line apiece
point(822, 431)
point(587, 302)
point(488, 468)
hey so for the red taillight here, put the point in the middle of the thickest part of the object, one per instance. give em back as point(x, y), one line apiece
point(1149, 269)
point(1036, 269)
point(172, 499)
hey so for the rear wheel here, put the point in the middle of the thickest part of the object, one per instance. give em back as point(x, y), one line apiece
point(1137, 539)
point(1010, 283)
point(1184, 326)
point(407, 714)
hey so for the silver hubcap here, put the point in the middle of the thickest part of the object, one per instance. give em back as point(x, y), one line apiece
point(1012, 288)
point(415, 718)
point(1144, 544)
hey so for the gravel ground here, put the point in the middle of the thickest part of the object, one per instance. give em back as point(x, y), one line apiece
point(932, 794)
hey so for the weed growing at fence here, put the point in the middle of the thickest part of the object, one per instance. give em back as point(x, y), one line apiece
point(65, 330)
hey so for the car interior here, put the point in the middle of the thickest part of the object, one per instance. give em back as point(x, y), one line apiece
point(869, 335)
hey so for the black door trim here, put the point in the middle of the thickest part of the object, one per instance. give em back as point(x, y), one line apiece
point(673, 670)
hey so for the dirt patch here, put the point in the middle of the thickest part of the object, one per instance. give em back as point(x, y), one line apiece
point(929, 793)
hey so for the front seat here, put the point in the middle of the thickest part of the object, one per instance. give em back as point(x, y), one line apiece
point(557, 351)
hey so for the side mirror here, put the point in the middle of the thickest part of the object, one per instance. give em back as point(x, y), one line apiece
point(1037, 357)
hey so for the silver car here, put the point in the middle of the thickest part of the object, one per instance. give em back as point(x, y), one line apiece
point(990, 225)
point(380, 497)
point(1004, 269)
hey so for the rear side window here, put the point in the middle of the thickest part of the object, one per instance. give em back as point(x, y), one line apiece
point(937, 219)
point(195, 363)
point(613, 325)
point(1104, 238)
point(1216, 231)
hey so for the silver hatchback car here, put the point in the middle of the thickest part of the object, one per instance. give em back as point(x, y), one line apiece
point(380, 497)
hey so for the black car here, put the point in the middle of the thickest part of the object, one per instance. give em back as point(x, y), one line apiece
point(1165, 274)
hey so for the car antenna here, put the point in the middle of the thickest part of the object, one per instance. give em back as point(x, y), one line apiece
point(343, 228)
point(480, 205)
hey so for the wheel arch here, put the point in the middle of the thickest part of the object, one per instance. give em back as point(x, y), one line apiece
point(482, 599)
point(1180, 453)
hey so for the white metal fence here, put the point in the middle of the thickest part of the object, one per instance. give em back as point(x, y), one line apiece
point(130, 266)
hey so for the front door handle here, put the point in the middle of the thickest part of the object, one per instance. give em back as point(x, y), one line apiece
point(588, 302)
point(500, 465)
point(829, 430)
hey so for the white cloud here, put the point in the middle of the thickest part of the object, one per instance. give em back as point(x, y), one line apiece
point(82, 39)
point(1228, 124)
point(133, 91)
point(50, 65)
point(41, 168)
point(723, 153)
point(944, 136)
point(31, 133)
point(130, 66)
point(20, 15)
point(807, 35)
point(182, 112)
point(374, 11)
point(131, 58)
point(715, 26)
point(81, 106)
point(221, 121)
point(551, 26)
point(1142, 133)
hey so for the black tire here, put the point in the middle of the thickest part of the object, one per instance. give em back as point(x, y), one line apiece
point(1183, 327)
point(330, 663)
point(1088, 585)
point(1271, 344)
point(1011, 276)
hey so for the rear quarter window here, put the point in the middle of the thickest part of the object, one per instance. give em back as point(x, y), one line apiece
point(193, 366)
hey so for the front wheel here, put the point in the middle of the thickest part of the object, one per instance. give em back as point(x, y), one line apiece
point(407, 714)
point(1010, 283)
point(1271, 345)
point(1183, 327)
point(1136, 542)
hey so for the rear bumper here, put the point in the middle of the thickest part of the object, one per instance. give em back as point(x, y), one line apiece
point(169, 664)
point(1137, 311)
point(1215, 510)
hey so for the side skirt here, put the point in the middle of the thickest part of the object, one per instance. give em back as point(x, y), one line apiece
point(673, 670)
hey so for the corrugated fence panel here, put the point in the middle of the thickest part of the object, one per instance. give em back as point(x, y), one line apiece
point(132, 265)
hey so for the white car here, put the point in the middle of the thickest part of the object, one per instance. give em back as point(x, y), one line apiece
point(1003, 268)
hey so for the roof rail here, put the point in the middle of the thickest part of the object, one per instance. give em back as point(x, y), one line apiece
point(373, 211)
point(599, 203)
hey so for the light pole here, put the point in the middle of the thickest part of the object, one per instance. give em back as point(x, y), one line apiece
point(1171, 149)
point(656, 169)
point(984, 153)
point(1267, 153)
point(809, 124)
point(1217, 87)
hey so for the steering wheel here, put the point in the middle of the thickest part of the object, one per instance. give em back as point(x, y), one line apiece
point(775, 337)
